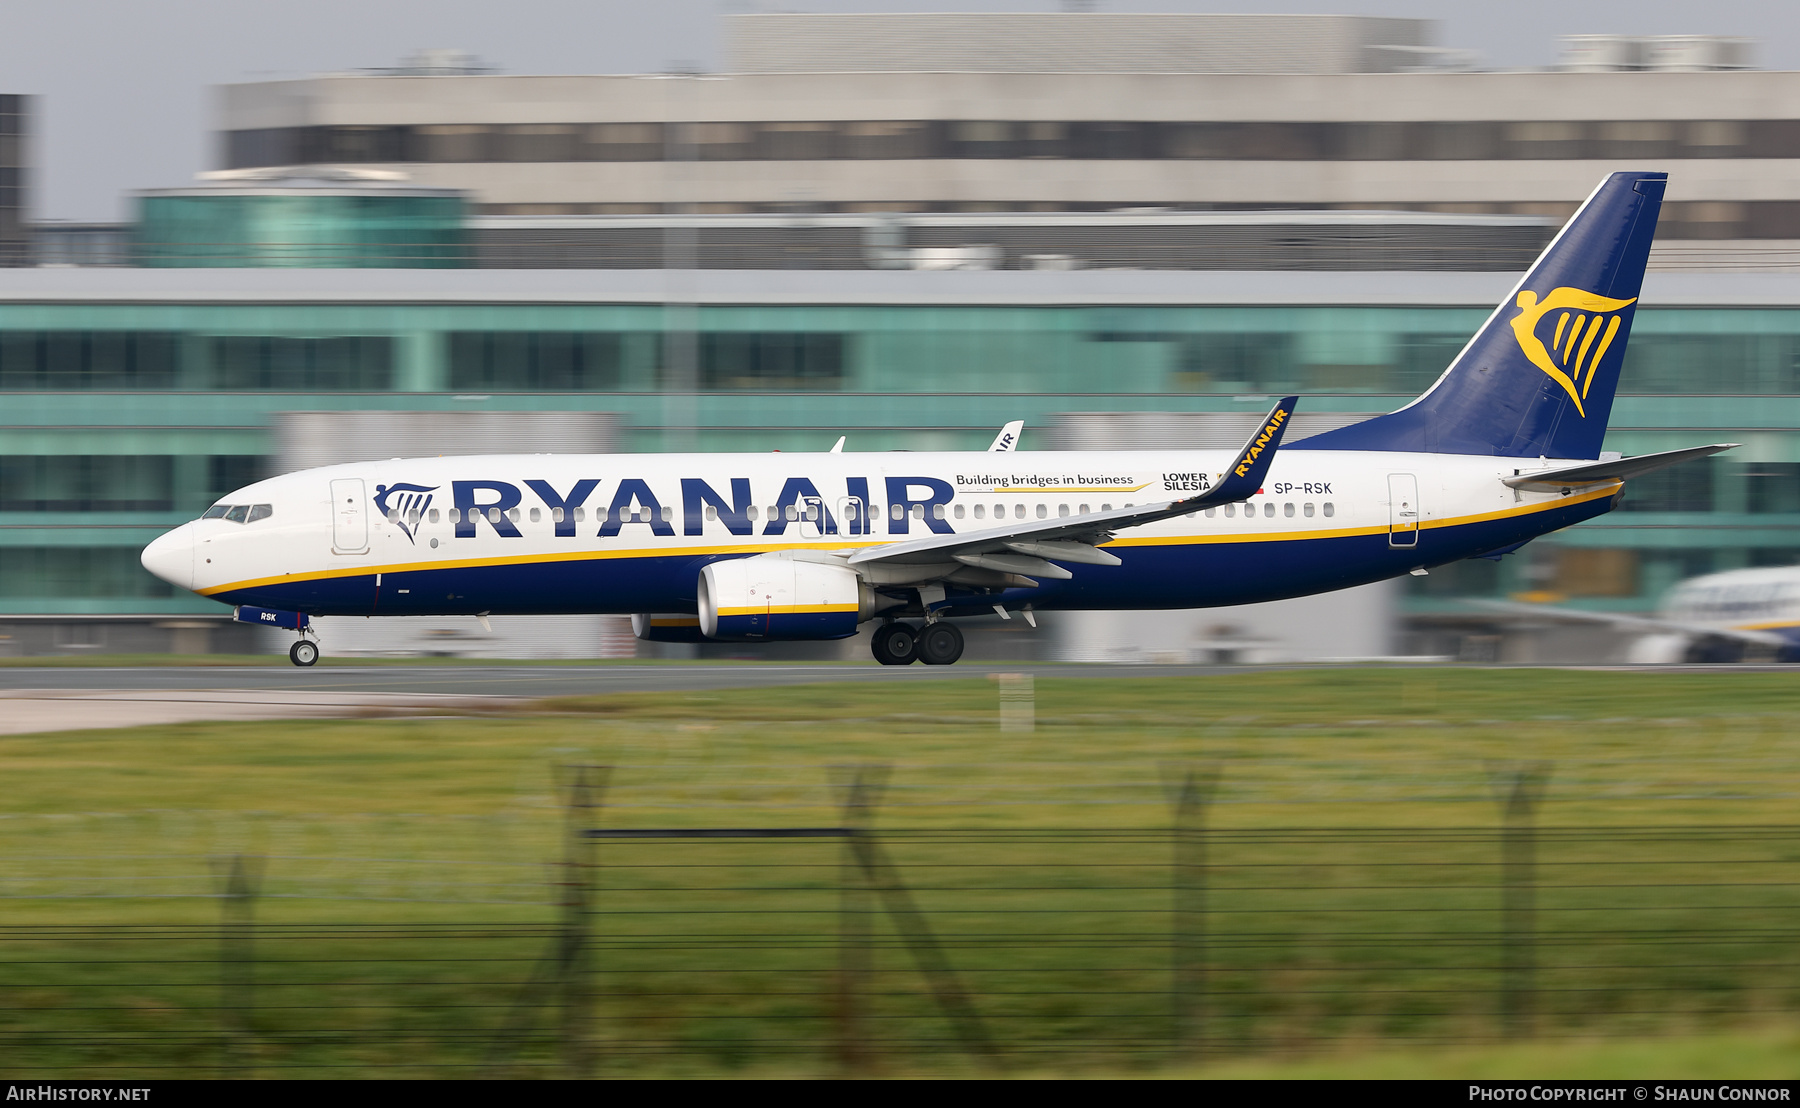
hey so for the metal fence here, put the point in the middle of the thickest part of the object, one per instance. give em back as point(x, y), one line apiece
point(847, 947)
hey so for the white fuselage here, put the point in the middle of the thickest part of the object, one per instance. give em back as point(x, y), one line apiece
point(630, 533)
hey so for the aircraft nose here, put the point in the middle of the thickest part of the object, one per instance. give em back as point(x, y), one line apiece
point(171, 557)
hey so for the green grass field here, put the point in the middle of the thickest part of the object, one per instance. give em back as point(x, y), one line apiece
point(408, 882)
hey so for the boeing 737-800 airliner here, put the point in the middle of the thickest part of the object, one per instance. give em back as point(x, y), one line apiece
point(756, 547)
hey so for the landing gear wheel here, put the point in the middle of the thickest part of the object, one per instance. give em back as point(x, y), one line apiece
point(940, 644)
point(895, 644)
point(304, 653)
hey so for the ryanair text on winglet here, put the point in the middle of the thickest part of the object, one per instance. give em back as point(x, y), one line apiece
point(1276, 419)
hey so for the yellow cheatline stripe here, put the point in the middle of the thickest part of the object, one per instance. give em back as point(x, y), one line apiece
point(1060, 488)
point(840, 544)
point(787, 610)
point(1772, 625)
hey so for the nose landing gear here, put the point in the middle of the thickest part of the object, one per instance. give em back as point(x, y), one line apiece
point(304, 653)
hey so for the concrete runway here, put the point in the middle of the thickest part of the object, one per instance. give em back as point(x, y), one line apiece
point(529, 681)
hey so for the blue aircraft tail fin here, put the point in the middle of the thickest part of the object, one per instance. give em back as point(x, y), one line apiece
point(1538, 378)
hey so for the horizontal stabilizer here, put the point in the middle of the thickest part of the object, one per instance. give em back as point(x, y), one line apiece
point(1615, 469)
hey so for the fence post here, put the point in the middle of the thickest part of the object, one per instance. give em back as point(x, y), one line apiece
point(1189, 797)
point(575, 953)
point(237, 963)
point(855, 953)
point(1520, 788)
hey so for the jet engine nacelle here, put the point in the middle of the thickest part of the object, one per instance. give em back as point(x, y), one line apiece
point(667, 627)
point(775, 596)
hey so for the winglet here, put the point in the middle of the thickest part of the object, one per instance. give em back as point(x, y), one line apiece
point(1245, 475)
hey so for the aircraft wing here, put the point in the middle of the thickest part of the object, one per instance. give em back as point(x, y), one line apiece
point(1649, 625)
point(1025, 547)
point(1612, 469)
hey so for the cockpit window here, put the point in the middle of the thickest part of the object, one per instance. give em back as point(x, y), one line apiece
point(217, 511)
point(261, 511)
point(237, 513)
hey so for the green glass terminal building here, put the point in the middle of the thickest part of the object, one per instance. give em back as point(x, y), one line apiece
point(134, 397)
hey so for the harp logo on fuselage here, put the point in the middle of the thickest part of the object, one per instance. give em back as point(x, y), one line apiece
point(1566, 334)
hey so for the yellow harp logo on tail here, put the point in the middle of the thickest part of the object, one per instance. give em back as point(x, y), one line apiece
point(1585, 326)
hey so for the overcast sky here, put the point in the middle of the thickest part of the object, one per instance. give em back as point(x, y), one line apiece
point(122, 85)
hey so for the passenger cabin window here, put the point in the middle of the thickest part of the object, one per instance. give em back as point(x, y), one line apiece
point(433, 515)
point(1287, 510)
point(1083, 510)
point(980, 511)
point(535, 515)
point(556, 515)
point(959, 511)
point(937, 511)
point(712, 513)
point(751, 511)
point(1307, 511)
point(1327, 507)
point(1269, 510)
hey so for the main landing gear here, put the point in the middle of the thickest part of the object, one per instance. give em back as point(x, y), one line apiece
point(304, 653)
point(899, 644)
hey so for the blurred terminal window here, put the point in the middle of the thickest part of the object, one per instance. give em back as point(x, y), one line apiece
point(345, 363)
point(228, 472)
point(557, 361)
point(795, 141)
point(539, 142)
point(1772, 487)
point(880, 139)
point(1469, 577)
point(623, 142)
point(1601, 571)
point(1774, 556)
point(86, 483)
point(1684, 488)
point(764, 360)
point(57, 572)
point(1708, 361)
point(57, 361)
point(1234, 362)
point(453, 142)
point(352, 144)
point(809, 140)
point(1420, 359)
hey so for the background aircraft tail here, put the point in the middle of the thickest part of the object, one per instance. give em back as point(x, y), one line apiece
point(1538, 378)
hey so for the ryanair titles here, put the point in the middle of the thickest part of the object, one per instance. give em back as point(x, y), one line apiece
point(694, 504)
